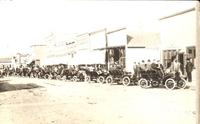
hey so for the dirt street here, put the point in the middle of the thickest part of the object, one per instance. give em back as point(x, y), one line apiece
point(39, 101)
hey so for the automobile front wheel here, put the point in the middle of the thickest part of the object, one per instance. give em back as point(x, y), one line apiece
point(181, 84)
point(101, 79)
point(143, 83)
point(170, 84)
point(109, 80)
point(126, 81)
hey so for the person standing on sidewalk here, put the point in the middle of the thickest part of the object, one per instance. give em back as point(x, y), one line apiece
point(189, 69)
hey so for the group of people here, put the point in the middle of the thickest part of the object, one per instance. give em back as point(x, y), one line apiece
point(148, 66)
point(156, 65)
point(176, 68)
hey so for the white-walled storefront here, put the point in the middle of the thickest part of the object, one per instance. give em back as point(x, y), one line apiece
point(178, 36)
point(87, 57)
point(105, 47)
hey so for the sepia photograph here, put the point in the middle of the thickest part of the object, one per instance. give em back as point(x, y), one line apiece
point(99, 62)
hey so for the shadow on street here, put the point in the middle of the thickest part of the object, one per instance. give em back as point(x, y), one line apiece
point(5, 86)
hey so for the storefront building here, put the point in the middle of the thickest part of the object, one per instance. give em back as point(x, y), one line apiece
point(178, 37)
point(103, 47)
point(89, 48)
point(116, 45)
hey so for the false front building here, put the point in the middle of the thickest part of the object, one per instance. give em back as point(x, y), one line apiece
point(178, 37)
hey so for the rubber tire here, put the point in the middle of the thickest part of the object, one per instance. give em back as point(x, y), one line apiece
point(74, 79)
point(143, 83)
point(109, 80)
point(87, 79)
point(58, 77)
point(183, 83)
point(101, 79)
point(63, 78)
point(155, 83)
point(126, 81)
point(170, 80)
point(46, 76)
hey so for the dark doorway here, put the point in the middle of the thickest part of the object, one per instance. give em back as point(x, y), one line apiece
point(116, 54)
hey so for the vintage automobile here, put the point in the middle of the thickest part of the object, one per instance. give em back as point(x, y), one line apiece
point(102, 75)
point(129, 78)
point(117, 74)
point(149, 78)
point(152, 78)
point(175, 80)
point(91, 73)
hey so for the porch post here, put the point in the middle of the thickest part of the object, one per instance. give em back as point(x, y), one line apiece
point(197, 9)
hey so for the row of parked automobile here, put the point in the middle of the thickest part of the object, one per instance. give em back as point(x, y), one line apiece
point(117, 75)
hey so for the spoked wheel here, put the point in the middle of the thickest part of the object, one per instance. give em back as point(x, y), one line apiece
point(46, 76)
point(109, 80)
point(143, 83)
point(181, 84)
point(101, 79)
point(126, 81)
point(63, 78)
point(58, 77)
point(87, 79)
point(170, 84)
point(74, 79)
point(155, 83)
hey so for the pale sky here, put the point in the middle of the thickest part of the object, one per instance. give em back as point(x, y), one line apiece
point(27, 22)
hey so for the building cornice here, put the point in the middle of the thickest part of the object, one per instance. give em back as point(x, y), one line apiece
point(178, 13)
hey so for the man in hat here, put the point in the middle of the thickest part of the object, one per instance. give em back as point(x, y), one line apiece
point(189, 69)
point(143, 66)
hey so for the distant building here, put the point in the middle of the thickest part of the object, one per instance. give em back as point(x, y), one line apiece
point(116, 47)
point(103, 46)
point(6, 62)
point(22, 59)
point(39, 53)
point(90, 48)
point(15, 61)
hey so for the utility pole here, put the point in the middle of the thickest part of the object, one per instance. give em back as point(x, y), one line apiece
point(197, 9)
point(107, 51)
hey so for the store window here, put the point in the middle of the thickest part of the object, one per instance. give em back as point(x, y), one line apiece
point(168, 57)
point(191, 51)
point(116, 56)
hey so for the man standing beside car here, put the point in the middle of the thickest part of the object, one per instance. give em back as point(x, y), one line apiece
point(189, 69)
